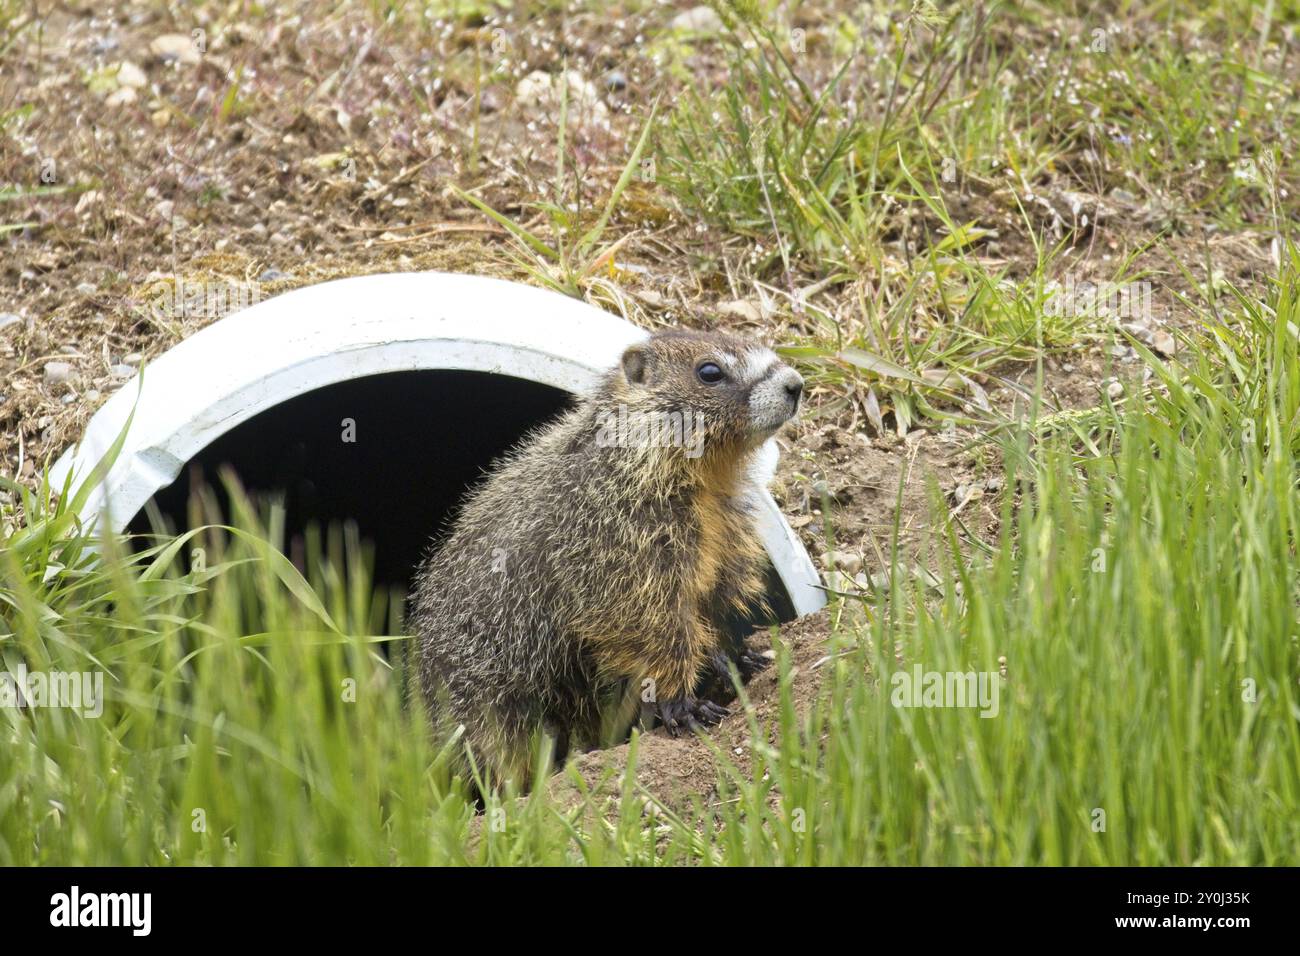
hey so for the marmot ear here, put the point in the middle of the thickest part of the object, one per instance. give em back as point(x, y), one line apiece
point(636, 364)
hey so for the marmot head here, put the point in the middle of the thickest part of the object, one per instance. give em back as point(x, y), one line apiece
point(715, 391)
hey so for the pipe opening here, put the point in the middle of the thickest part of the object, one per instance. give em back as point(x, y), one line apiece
point(394, 453)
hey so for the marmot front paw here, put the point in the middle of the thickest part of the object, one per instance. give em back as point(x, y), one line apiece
point(748, 664)
point(689, 713)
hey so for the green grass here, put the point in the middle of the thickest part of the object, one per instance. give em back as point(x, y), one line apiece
point(1143, 588)
point(805, 140)
point(916, 347)
point(569, 260)
point(890, 160)
point(1139, 606)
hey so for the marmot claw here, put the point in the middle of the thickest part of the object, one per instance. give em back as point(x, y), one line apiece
point(748, 664)
point(689, 713)
point(751, 662)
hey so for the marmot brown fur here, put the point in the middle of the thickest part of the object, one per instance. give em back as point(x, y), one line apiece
point(596, 567)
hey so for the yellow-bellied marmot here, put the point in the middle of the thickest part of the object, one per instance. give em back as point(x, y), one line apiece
point(597, 565)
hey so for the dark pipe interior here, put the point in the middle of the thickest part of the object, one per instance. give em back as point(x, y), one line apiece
point(421, 439)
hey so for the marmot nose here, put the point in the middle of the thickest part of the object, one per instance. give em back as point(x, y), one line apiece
point(794, 385)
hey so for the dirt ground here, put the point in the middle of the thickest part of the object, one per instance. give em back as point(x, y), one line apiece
point(322, 142)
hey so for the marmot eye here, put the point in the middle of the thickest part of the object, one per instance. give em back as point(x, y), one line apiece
point(710, 374)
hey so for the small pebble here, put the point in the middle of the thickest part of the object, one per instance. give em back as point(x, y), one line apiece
point(175, 47)
point(122, 97)
point(698, 19)
point(56, 373)
point(130, 75)
point(849, 563)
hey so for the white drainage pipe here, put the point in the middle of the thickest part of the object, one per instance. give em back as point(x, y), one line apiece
point(353, 328)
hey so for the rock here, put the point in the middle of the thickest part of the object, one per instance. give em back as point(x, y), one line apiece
point(1139, 332)
point(652, 298)
point(86, 288)
point(123, 97)
point(539, 90)
point(1115, 389)
point(122, 372)
point(175, 47)
point(850, 564)
point(164, 210)
point(57, 373)
point(698, 20)
point(534, 88)
point(133, 358)
point(741, 309)
point(272, 275)
point(1164, 343)
point(8, 318)
point(88, 199)
point(130, 75)
point(615, 81)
